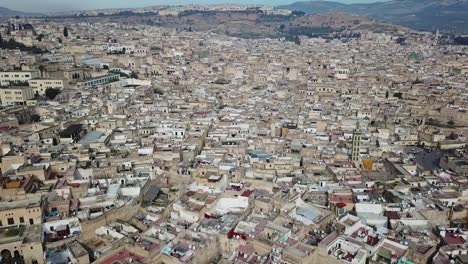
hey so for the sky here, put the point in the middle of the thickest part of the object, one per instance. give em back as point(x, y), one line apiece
point(45, 6)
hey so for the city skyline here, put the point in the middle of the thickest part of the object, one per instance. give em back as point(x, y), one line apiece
point(305, 133)
point(68, 5)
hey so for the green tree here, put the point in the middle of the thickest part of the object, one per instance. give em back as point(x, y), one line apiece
point(453, 136)
point(65, 32)
point(298, 13)
point(35, 118)
point(51, 93)
point(158, 91)
point(297, 41)
point(134, 75)
point(450, 123)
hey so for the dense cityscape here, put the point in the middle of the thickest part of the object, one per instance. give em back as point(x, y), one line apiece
point(128, 138)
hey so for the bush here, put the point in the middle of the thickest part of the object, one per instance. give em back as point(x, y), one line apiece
point(51, 93)
point(35, 118)
point(134, 75)
point(13, 44)
point(158, 91)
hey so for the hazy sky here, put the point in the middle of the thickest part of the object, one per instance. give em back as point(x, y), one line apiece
point(63, 5)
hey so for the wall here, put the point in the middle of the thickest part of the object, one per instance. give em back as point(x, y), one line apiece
point(29, 251)
point(289, 256)
point(124, 213)
point(34, 213)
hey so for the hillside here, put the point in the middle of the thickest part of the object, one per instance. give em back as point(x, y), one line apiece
point(427, 15)
point(5, 12)
point(254, 24)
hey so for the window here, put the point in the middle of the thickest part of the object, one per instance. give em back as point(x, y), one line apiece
point(11, 221)
point(31, 221)
point(22, 220)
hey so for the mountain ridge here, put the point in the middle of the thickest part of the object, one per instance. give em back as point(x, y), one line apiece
point(426, 15)
point(6, 12)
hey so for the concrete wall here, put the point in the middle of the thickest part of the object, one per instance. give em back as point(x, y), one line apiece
point(34, 213)
point(123, 213)
point(29, 251)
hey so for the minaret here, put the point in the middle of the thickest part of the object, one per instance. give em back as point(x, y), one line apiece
point(356, 144)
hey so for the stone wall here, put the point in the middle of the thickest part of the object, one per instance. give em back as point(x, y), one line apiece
point(124, 213)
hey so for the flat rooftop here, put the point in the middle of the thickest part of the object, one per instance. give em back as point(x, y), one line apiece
point(26, 203)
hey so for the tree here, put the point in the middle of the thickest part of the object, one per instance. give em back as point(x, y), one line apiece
point(35, 118)
point(398, 95)
point(13, 45)
point(158, 91)
point(51, 93)
point(65, 32)
point(134, 75)
point(453, 136)
point(296, 40)
point(450, 123)
point(298, 13)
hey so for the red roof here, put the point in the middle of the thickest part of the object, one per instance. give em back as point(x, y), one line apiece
point(393, 215)
point(346, 198)
point(246, 249)
point(121, 256)
point(247, 193)
point(232, 233)
point(453, 239)
point(7, 128)
point(340, 205)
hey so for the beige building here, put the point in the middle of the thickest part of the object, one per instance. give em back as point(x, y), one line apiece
point(39, 86)
point(21, 212)
point(6, 78)
point(16, 95)
point(77, 253)
point(6, 162)
point(21, 243)
point(431, 137)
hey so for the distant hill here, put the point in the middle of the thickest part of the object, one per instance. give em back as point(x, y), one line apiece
point(5, 12)
point(426, 15)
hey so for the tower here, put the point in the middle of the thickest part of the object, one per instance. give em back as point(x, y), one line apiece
point(356, 144)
